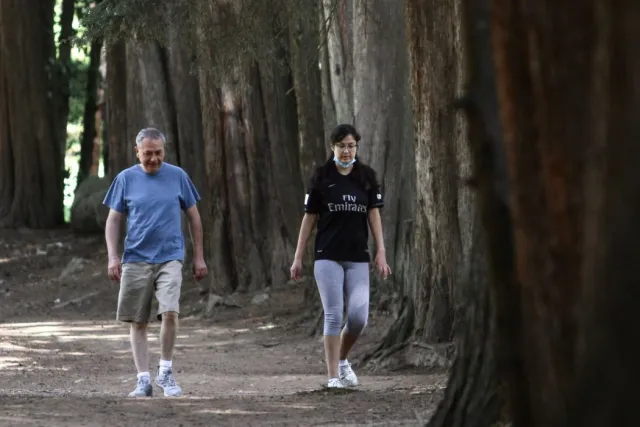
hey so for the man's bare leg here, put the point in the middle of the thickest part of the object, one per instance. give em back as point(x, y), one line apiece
point(140, 350)
point(168, 332)
point(140, 346)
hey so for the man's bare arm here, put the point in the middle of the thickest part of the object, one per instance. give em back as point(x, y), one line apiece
point(112, 232)
point(195, 226)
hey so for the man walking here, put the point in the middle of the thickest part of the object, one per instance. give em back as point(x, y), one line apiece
point(152, 195)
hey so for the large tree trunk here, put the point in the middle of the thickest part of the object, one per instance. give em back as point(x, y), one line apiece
point(31, 172)
point(184, 101)
point(472, 397)
point(563, 244)
point(150, 98)
point(90, 131)
point(337, 28)
point(305, 41)
point(383, 115)
point(119, 144)
point(442, 232)
point(63, 69)
point(252, 166)
point(608, 337)
point(545, 149)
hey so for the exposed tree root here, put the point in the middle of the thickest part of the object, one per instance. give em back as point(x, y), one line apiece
point(401, 350)
point(411, 354)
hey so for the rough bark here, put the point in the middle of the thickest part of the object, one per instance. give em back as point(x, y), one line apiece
point(383, 115)
point(63, 69)
point(90, 131)
point(31, 176)
point(305, 42)
point(183, 93)
point(562, 245)
point(279, 108)
point(119, 145)
point(252, 167)
point(252, 152)
point(149, 95)
point(538, 84)
point(442, 231)
point(443, 240)
point(607, 337)
point(338, 18)
point(473, 396)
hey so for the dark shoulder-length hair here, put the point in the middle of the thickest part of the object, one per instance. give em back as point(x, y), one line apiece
point(362, 173)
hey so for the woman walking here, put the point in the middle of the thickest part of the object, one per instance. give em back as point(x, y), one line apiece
point(343, 199)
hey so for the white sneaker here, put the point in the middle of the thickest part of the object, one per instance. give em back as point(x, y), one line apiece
point(167, 383)
point(347, 376)
point(334, 383)
point(143, 388)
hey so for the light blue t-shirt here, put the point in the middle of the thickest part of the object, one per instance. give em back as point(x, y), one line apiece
point(153, 205)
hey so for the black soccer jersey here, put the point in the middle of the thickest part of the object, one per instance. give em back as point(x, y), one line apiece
point(342, 205)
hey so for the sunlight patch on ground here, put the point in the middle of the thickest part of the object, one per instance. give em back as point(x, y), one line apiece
point(267, 327)
point(40, 329)
point(7, 347)
point(14, 420)
point(22, 325)
point(216, 343)
point(230, 412)
point(10, 362)
point(294, 406)
point(66, 338)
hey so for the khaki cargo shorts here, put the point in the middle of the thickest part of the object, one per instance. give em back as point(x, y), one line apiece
point(138, 283)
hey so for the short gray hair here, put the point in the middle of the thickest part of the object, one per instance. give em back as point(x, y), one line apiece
point(151, 133)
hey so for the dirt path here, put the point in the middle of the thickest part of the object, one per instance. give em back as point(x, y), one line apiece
point(65, 362)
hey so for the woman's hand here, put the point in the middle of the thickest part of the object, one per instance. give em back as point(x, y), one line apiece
point(296, 269)
point(380, 264)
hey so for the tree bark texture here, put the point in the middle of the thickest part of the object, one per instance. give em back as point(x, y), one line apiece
point(63, 69)
point(89, 133)
point(119, 143)
point(434, 237)
point(565, 101)
point(608, 310)
point(476, 393)
point(338, 63)
point(149, 95)
point(544, 108)
point(152, 86)
point(443, 163)
point(252, 167)
point(562, 245)
point(383, 116)
point(305, 41)
point(31, 173)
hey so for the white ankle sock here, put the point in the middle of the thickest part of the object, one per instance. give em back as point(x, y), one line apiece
point(144, 374)
point(344, 362)
point(165, 365)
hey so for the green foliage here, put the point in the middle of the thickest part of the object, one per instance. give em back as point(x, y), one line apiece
point(227, 33)
point(128, 19)
point(77, 90)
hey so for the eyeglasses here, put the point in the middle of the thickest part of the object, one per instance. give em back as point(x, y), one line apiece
point(350, 147)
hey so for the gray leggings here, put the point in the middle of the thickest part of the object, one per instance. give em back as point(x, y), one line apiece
point(338, 281)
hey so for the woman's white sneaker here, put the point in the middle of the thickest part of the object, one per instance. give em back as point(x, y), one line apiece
point(334, 383)
point(347, 376)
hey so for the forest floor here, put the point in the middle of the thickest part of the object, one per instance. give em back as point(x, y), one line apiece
point(65, 361)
